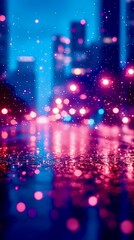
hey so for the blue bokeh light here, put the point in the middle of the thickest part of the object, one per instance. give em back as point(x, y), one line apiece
point(67, 118)
point(91, 122)
point(101, 111)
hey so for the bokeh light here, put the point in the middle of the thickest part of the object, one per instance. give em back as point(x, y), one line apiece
point(83, 21)
point(33, 114)
point(72, 224)
point(58, 100)
point(92, 201)
point(114, 39)
point(73, 87)
point(105, 81)
point(66, 101)
point(55, 110)
point(82, 111)
point(67, 118)
point(2, 18)
point(4, 111)
point(4, 135)
point(130, 71)
point(77, 172)
point(91, 121)
point(127, 227)
point(101, 111)
point(72, 111)
point(21, 207)
point(125, 120)
point(78, 71)
point(115, 110)
point(38, 195)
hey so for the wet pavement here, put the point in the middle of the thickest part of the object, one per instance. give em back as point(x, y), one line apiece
point(66, 182)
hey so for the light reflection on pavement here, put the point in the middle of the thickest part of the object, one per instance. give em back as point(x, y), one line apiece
point(61, 181)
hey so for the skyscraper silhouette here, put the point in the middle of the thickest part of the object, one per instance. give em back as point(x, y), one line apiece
point(24, 80)
point(110, 33)
point(78, 47)
point(130, 31)
point(3, 38)
point(61, 59)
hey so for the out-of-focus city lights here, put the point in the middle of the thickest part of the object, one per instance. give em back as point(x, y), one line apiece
point(36, 20)
point(13, 122)
point(91, 122)
point(66, 101)
point(115, 110)
point(21, 207)
point(37, 171)
point(60, 106)
point(105, 81)
point(83, 21)
point(33, 114)
point(67, 118)
point(114, 39)
point(4, 111)
point(38, 195)
point(72, 111)
point(80, 41)
point(58, 100)
point(72, 224)
point(2, 18)
point(4, 135)
point(78, 173)
point(70, 164)
point(127, 227)
point(82, 111)
point(125, 120)
point(130, 71)
point(47, 109)
point(107, 40)
point(24, 173)
point(57, 116)
point(101, 111)
point(63, 113)
point(92, 201)
point(55, 110)
point(83, 96)
point(73, 87)
point(78, 71)
point(64, 40)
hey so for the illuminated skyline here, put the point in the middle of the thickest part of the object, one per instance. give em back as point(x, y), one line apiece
point(30, 35)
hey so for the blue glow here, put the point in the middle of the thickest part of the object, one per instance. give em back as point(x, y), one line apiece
point(67, 118)
point(101, 111)
point(123, 33)
point(91, 122)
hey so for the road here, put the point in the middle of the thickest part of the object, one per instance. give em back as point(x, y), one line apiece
point(66, 182)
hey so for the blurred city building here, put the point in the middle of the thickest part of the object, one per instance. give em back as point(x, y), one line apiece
point(24, 80)
point(130, 31)
point(3, 38)
point(93, 56)
point(110, 34)
point(79, 51)
point(61, 59)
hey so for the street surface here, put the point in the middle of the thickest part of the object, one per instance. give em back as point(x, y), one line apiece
point(66, 182)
